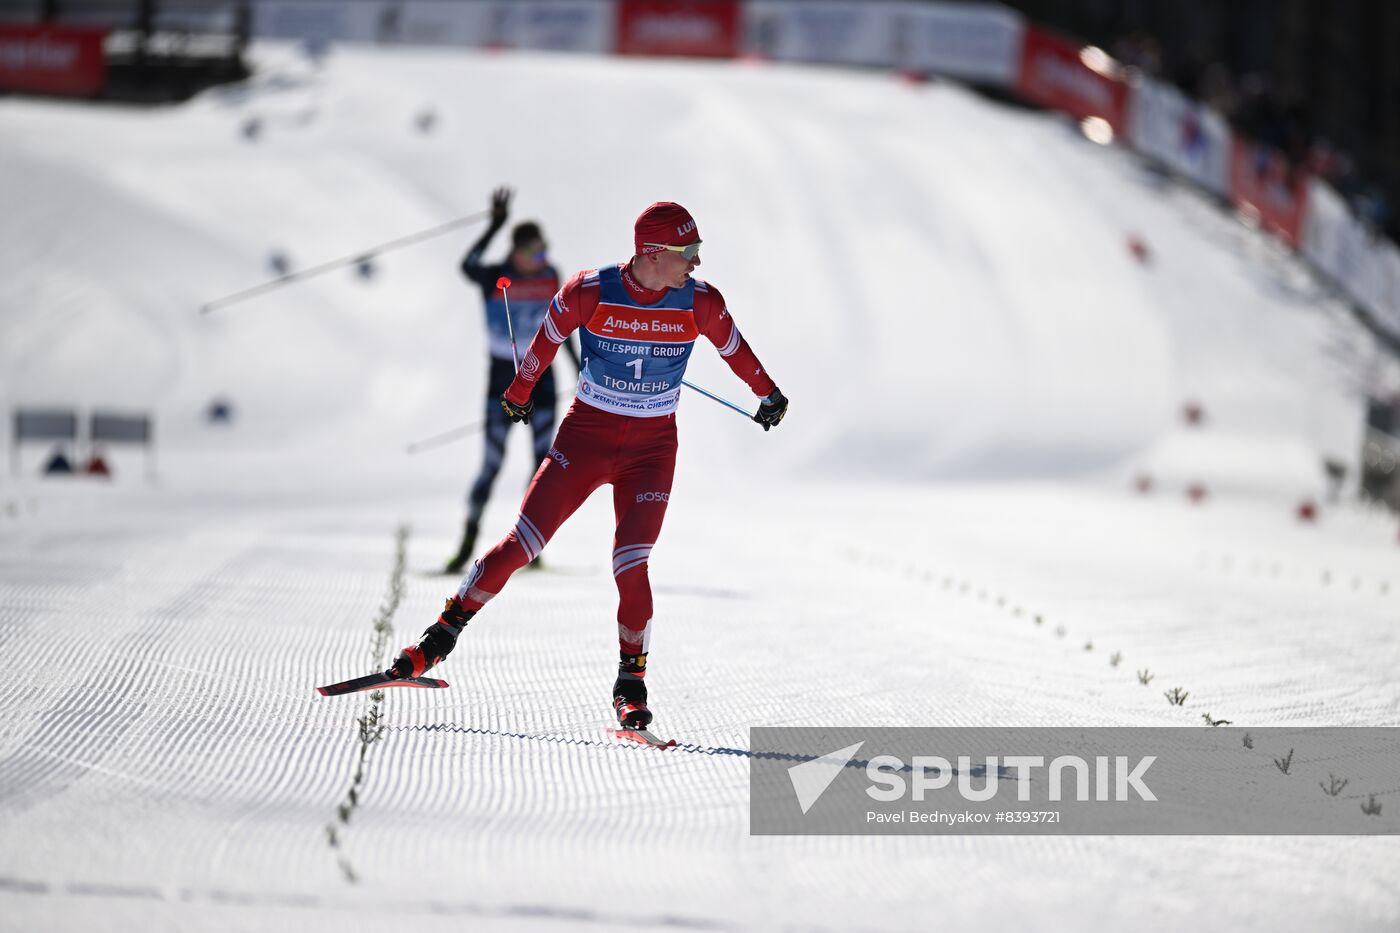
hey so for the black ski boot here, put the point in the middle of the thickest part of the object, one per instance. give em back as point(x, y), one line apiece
point(464, 551)
point(630, 692)
point(437, 643)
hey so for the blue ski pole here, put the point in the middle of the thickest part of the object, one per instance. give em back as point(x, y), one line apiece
point(709, 394)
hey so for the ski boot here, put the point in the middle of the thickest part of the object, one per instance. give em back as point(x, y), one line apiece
point(437, 643)
point(464, 553)
point(630, 692)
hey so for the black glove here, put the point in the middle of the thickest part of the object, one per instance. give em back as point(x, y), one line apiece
point(771, 410)
point(518, 412)
point(500, 205)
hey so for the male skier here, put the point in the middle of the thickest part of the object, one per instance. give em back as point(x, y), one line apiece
point(638, 321)
point(533, 283)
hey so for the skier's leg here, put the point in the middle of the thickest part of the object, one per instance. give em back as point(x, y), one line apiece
point(560, 486)
point(542, 423)
point(495, 433)
point(497, 427)
point(640, 495)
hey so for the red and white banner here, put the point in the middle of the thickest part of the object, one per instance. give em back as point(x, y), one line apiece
point(1077, 79)
point(52, 59)
point(696, 28)
point(1262, 181)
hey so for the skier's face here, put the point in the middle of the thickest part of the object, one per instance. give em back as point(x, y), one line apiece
point(674, 268)
point(530, 257)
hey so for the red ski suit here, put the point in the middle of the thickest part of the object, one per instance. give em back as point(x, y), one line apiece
point(636, 453)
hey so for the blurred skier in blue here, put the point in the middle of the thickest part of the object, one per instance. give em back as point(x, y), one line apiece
point(534, 282)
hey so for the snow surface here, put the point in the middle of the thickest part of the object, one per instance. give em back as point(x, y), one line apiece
point(942, 532)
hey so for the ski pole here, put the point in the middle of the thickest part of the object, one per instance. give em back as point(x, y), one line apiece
point(708, 394)
point(503, 283)
point(445, 437)
point(291, 277)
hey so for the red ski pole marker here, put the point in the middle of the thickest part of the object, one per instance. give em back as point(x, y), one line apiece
point(503, 283)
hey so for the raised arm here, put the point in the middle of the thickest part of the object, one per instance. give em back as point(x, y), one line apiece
point(472, 266)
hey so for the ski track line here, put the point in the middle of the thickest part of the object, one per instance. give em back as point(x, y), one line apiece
point(224, 897)
point(687, 747)
point(857, 764)
point(381, 633)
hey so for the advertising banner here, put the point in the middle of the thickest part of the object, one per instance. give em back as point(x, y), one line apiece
point(1330, 236)
point(422, 22)
point(695, 28)
point(552, 25)
point(327, 20)
point(1190, 139)
point(1262, 181)
point(1388, 313)
point(52, 59)
point(1076, 79)
point(1364, 265)
point(824, 31)
point(972, 41)
point(45, 424)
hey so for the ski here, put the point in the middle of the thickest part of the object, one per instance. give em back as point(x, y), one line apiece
point(644, 737)
point(377, 682)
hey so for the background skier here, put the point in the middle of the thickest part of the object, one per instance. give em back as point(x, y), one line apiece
point(533, 283)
